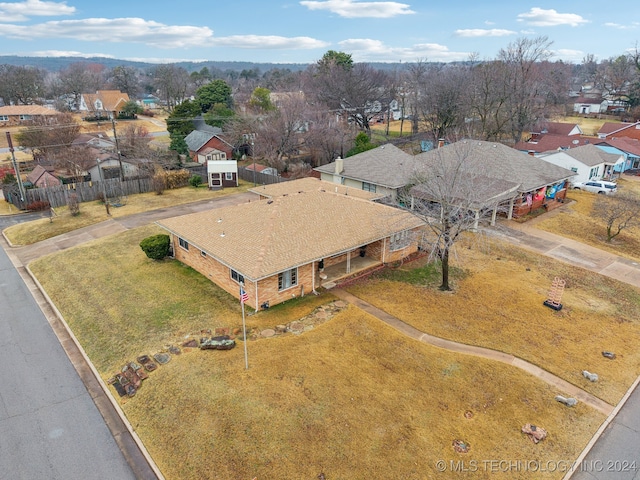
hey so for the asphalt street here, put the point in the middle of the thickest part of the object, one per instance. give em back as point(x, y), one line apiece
point(50, 427)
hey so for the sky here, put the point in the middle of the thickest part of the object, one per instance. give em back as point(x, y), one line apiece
point(301, 31)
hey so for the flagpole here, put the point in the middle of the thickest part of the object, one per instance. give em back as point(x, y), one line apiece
point(244, 330)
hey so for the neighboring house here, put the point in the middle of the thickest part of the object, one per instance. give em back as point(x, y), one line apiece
point(109, 167)
point(383, 170)
point(12, 115)
point(208, 145)
point(40, 178)
point(627, 147)
point(98, 140)
point(552, 136)
point(620, 130)
point(587, 105)
point(537, 183)
point(588, 162)
point(103, 103)
point(291, 245)
point(149, 101)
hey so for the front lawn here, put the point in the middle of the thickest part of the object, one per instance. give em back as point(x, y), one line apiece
point(352, 396)
point(95, 212)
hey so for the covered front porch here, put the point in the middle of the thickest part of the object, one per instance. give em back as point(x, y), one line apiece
point(352, 265)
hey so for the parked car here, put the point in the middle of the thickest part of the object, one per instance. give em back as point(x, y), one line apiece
point(597, 186)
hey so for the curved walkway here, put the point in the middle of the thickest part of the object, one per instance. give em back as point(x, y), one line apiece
point(416, 334)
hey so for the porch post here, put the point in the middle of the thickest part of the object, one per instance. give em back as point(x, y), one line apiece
point(493, 216)
point(476, 218)
point(510, 215)
point(349, 261)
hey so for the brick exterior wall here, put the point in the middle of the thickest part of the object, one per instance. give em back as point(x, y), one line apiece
point(268, 287)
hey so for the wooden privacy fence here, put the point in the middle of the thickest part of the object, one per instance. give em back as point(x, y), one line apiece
point(58, 196)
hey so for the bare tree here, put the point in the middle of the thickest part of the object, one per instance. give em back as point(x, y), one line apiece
point(172, 82)
point(488, 97)
point(328, 137)
point(79, 78)
point(134, 141)
point(21, 85)
point(451, 192)
point(75, 161)
point(281, 133)
point(524, 78)
point(357, 93)
point(125, 79)
point(48, 136)
point(617, 212)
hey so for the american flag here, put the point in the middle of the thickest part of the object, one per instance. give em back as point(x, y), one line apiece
point(243, 295)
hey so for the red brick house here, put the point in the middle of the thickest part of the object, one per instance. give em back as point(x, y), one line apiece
point(12, 115)
point(292, 244)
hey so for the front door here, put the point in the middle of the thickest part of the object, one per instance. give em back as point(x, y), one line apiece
point(216, 180)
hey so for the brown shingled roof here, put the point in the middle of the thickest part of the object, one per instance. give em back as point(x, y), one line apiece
point(259, 239)
point(26, 110)
point(310, 184)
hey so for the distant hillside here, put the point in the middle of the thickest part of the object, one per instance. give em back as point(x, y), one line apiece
point(54, 64)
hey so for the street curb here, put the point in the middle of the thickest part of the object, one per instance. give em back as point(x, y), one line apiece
point(601, 430)
point(98, 378)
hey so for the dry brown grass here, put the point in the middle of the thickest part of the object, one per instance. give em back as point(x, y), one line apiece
point(95, 212)
point(352, 396)
point(575, 221)
point(499, 304)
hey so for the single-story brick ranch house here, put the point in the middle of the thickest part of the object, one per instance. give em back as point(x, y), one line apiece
point(290, 245)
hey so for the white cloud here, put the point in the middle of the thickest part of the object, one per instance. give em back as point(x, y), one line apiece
point(154, 34)
point(368, 50)
point(115, 30)
point(481, 32)
point(21, 11)
point(633, 26)
point(269, 41)
point(568, 55)
point(550, 18)
point(358, 9)
point(69, 53)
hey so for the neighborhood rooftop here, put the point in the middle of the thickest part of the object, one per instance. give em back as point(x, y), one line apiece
point(310, 184)
point(261, 238)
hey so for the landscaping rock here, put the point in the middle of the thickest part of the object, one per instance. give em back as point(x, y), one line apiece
point(609, 355)
point(460, 446)
point(268, 332)
point(569, 402)
point(162, 358)
point(592, 377)
point(281, 328)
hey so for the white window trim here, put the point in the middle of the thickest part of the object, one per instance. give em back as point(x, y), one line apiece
point(292, 277)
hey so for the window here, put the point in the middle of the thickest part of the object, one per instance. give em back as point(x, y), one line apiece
point(4, 118)
point(237, 277)
point(183, 243)
point(594, 172)
point(368, 187)
point(399, 240)
point(228, 176)
point(25, 117)
point(288, 279)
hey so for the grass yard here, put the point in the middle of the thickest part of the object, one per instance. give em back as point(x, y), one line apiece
point(352, 396)
point(498, 304)
point(575, 221)
point(95, 212)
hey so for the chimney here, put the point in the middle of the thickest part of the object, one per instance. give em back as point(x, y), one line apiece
point(440, 142)
point(339, 166)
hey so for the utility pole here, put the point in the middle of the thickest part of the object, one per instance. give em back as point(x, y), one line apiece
point(115, 137)
point(15, 166)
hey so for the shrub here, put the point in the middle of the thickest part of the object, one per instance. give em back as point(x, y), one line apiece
point(156, 247)
point(74, 205)
point(38, 206)
point(169, 179)
point(195, 181)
